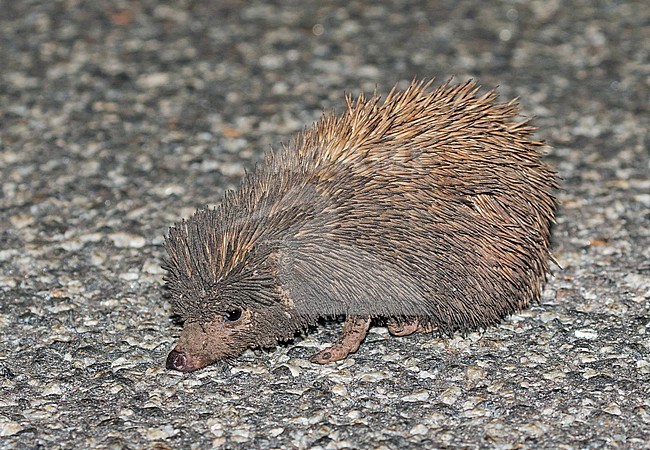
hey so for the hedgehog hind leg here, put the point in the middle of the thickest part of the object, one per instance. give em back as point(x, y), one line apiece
point(354, 332)
point(401, 328)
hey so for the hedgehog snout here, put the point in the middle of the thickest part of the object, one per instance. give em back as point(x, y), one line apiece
point(177, 361)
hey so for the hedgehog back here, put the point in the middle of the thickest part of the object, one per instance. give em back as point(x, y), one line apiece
point(438, 208)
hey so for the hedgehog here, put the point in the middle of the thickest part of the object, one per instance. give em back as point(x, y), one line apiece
point(428, 211)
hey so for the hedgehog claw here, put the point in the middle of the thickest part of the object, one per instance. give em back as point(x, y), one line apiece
point(354, 332)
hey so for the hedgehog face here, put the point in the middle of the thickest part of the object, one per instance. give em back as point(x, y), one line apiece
point(228, 334)
point(200, 344)
point(246, 308)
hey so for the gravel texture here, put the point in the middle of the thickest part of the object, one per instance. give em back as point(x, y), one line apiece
point(118, 118)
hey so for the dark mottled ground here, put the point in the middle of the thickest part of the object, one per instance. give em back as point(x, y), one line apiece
point(117, 118)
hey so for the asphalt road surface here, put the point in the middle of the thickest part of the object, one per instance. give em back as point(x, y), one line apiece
point(118, 118)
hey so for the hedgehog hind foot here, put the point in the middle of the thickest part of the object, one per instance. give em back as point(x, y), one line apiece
point(405, 328)
point(354, 332)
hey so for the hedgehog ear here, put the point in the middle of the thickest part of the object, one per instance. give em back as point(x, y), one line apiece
point(327, 279)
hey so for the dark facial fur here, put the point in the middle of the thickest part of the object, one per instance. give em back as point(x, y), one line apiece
point(430, 209)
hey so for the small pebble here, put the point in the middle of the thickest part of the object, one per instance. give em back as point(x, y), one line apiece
point(127, 240)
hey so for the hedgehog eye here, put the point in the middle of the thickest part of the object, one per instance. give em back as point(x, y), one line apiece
point(233, 315)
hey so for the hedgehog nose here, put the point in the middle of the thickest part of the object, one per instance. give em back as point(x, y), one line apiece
point(177, 361)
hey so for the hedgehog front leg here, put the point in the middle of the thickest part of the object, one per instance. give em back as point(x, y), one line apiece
point(354, 332)
point(406, 328)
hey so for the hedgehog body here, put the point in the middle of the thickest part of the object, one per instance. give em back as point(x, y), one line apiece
point(429, 210)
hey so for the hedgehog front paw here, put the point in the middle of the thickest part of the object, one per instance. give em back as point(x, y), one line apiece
point(354, 332)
